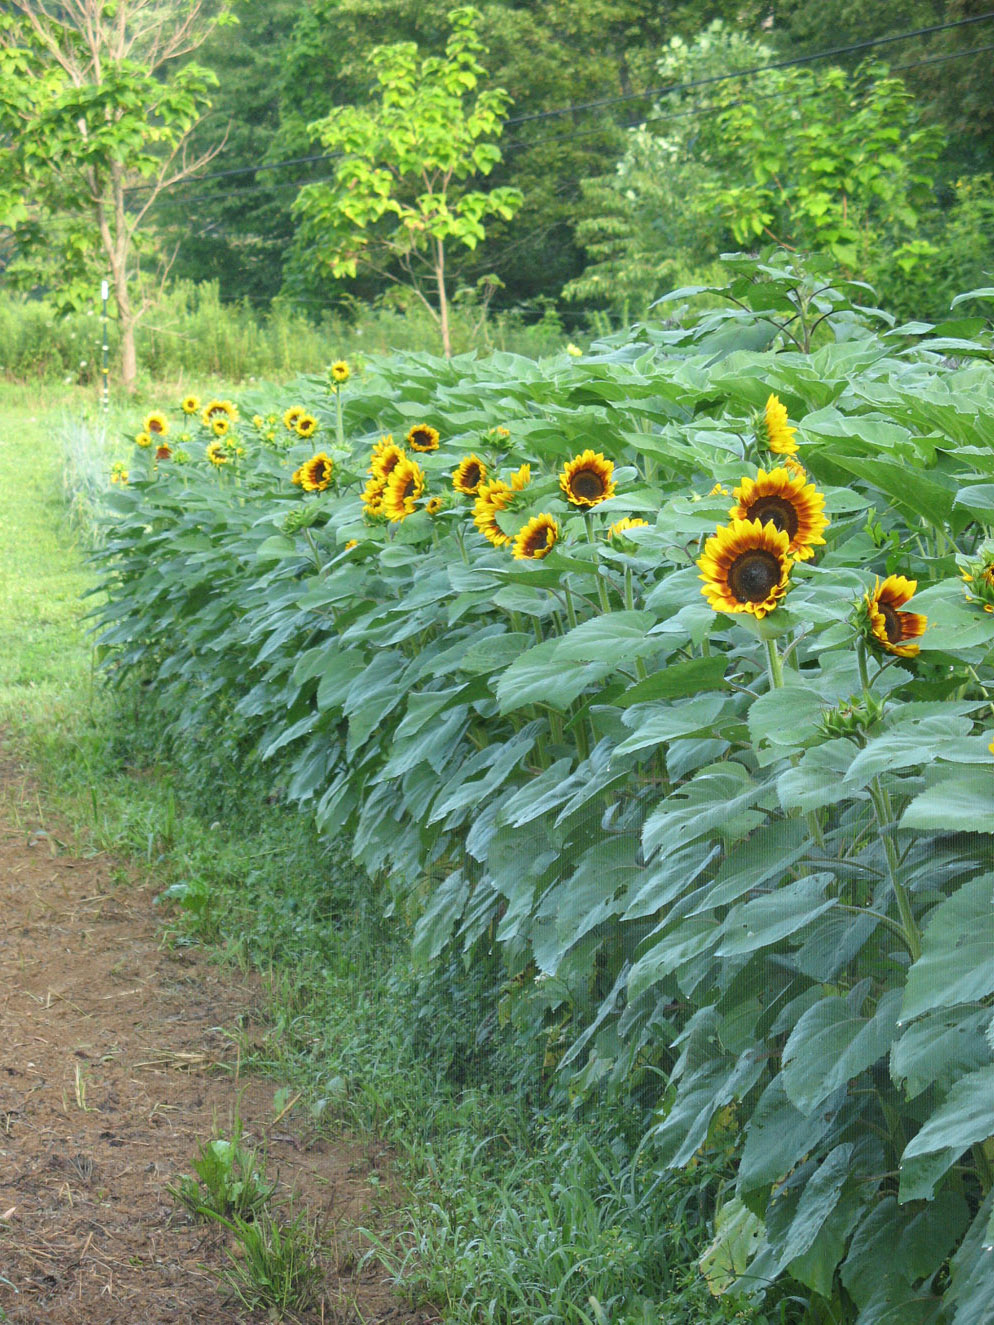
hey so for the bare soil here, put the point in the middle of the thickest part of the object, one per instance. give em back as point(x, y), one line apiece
point(118, 1058)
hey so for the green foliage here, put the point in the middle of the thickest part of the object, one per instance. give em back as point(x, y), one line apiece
point(721, 865)
point(276, 1266)
point(228, 1182)
point(812, 157)
point(399, 194)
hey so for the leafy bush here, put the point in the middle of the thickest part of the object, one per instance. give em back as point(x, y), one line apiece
point(734, 861)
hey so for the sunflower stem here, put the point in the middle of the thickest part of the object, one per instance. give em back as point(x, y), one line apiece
point(629, 590)
point(314, 549)
point(885, 821)
point(462, 546)
point(339, 426)
point(775, 665)
point(864, 672)
point(570, 606)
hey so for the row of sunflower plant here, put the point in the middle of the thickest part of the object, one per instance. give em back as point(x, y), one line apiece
point(680, 708)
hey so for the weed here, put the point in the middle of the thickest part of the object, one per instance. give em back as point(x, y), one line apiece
point(228, 1184)
point(274, 1263)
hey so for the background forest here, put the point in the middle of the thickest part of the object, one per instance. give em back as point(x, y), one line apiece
point(634, 156)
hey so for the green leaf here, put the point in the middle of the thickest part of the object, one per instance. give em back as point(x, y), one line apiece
point(893, 1249)
point(657, 725)
point(818, 778)
point(965, 1116)
point(940, 1048)
point(765, 921)
point(832, 1043)
point(777, 1135)
point(677, 679)
point(955, 965)
point(956, 801)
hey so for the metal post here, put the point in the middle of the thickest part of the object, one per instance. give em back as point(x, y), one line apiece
point(104, 291)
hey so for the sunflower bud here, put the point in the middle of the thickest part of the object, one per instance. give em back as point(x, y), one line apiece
point(301, 517)
point(851, 718)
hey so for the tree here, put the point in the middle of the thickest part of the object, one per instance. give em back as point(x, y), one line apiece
point(397, 196)
point(236, 228)
point(814, 159)
point(98, 102)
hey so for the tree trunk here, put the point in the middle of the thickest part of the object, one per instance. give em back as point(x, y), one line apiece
point(443, 303)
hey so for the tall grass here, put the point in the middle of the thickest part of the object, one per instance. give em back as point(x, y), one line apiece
point(191, 335)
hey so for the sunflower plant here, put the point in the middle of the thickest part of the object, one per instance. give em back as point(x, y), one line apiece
point(688, 732)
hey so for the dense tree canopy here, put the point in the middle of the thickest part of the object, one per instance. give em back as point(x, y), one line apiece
point(626, 185)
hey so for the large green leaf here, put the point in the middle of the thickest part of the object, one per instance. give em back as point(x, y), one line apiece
point(833, 1043)
point(955, 965)
point(965, 1116)
point(942, 1046)
point(961, 801)
point(765, 921)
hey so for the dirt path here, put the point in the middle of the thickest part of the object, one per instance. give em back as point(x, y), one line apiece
point(118, 1057)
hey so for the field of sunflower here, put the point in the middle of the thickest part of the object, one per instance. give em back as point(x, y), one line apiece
point(665, 674)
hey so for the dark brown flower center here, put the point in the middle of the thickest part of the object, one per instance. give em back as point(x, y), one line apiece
point(587, 483)
point(539, 540)
point(892, 623)
point(422, 439)
point(154, 425)
point(783, 513)
point(753, 575)
point(471, 476)
point(389, 465)
point(407, 490)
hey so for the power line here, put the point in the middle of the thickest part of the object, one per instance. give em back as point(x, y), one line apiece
point(607, 126)
point(746, 73)
point(690, 85)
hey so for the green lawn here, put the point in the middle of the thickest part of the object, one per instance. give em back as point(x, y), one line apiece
point(45, 655)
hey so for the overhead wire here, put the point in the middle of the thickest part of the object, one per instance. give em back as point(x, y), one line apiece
point(529, 144)
point(648, 94)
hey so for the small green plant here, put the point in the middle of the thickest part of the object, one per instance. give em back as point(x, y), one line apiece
point(229, 1181)
point(275, 1264)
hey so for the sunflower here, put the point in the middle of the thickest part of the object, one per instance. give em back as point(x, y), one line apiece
point(521, 477)
point(537, 538)
point(119, 474)
point(469, 474)
point(979, 576)
point(433, 505)
point(792, 505)
point(295, 477)
point(385, 460)
point(340, 372)
point(745, 567)
point(216, 453)
point(164, 451)
point(143, 439)
point(621, 527)
point(156, 423)
point(219, 409)
point(779, 433)
point(385, 441)
point(306, 425)
point(885, 626)
point(220, 424)
point(315, 474)
point(422, 438)
point(372, 496)
point(291, 415)
point(587, 479)
point(491, 498)
point(190, 404)
point(402, 489)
